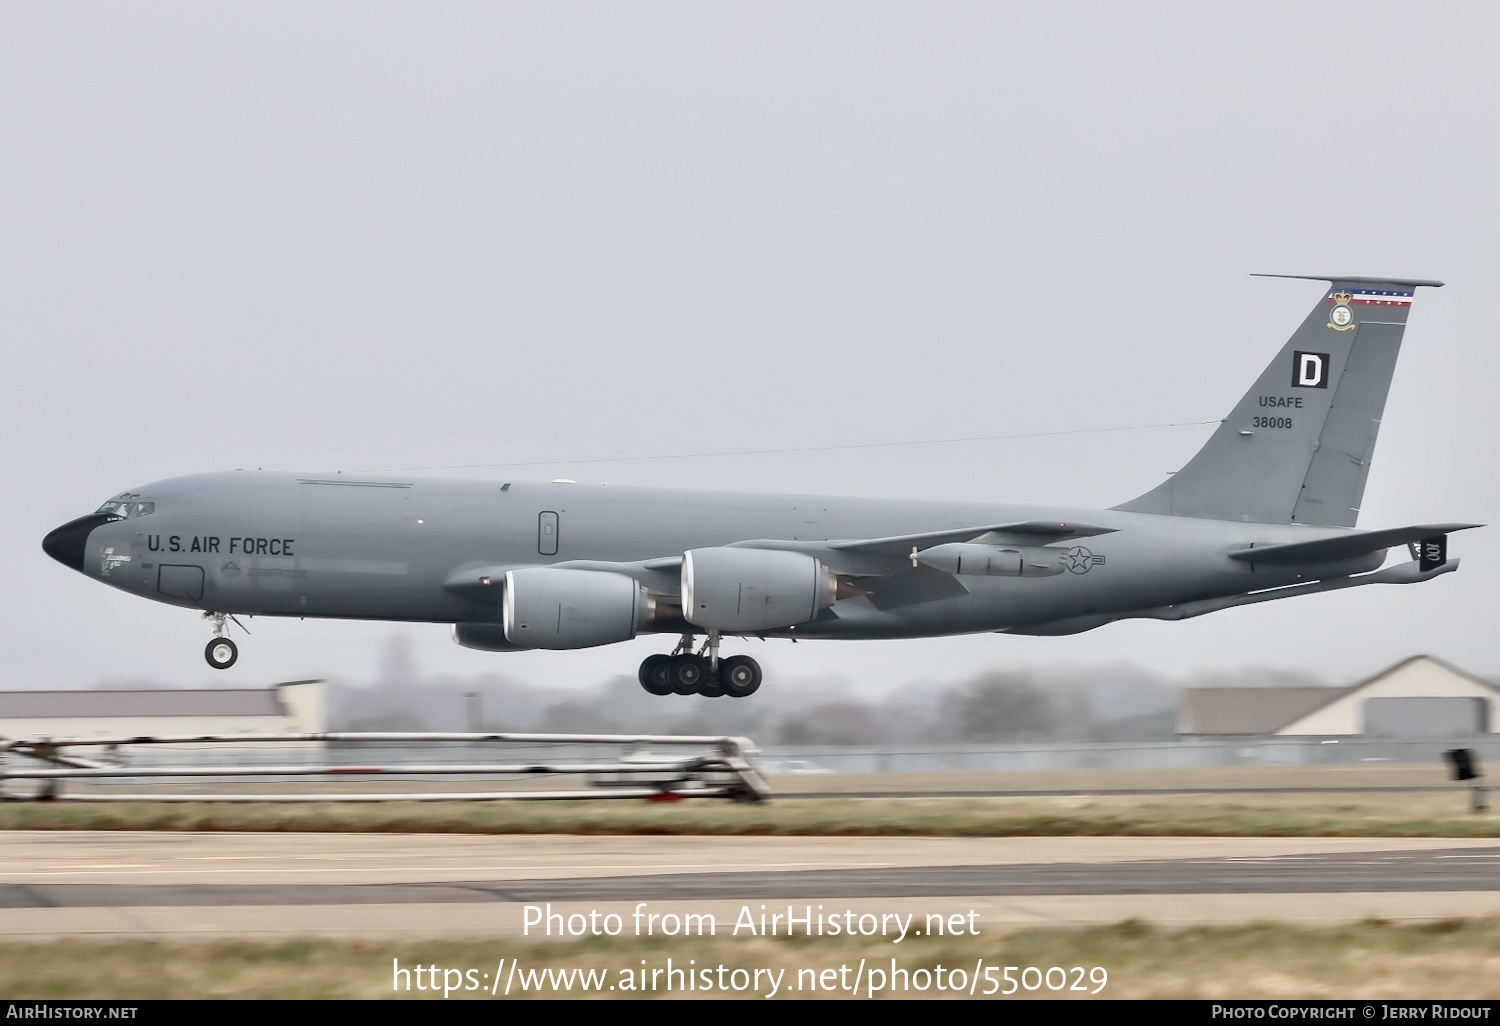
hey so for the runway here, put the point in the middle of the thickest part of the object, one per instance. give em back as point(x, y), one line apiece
point(202, 885)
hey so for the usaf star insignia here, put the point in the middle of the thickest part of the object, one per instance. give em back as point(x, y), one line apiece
point(1081, 560)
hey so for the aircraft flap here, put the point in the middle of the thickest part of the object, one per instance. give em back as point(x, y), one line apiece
point(1350, 546)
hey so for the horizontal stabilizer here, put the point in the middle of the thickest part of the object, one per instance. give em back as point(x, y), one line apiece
point(1353, 279)
point(1350, 546)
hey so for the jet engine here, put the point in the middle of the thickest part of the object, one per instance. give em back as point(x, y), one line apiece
point(743, 590)
point(486, 637)
point(546, 607)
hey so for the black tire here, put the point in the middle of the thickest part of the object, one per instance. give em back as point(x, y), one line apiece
point(656, 675)
point(688, 672)
point(739, 676)
point(221, 653)
point(710, 687)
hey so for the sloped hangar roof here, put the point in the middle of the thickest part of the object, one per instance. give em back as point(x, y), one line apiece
point(1249, 710)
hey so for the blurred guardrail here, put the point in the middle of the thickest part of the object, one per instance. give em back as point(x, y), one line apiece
point(433, 756)
point(1186, 753)
point(652, 766)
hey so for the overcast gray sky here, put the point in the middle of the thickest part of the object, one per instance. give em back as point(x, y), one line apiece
point(366, 235)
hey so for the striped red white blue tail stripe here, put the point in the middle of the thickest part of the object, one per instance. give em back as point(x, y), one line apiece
point(1372, 297)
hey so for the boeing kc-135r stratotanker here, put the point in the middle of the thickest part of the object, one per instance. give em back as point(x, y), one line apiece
point(1265, 510)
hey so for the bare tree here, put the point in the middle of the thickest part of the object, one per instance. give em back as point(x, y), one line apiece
point(1002, 707)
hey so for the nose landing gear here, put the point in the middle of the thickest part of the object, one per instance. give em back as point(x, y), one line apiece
point(703, 673)
point(220, 653)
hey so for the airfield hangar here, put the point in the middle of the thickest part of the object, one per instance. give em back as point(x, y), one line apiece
point(1420, 697)
point(295, 707)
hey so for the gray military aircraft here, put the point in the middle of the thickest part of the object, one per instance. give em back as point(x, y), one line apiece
point(1264, 511)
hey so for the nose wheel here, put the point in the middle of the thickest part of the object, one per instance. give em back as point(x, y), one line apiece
point(221, 653)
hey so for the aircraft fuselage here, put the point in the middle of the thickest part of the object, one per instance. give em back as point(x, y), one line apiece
point(340, 546)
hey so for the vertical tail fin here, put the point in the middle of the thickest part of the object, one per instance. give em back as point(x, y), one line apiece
point(1297, 447)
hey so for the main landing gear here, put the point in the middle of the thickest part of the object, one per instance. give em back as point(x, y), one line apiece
point(703, 673)
point(220, 652)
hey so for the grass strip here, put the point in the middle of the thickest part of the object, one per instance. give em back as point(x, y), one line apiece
point(1188, 816)
point(1370, 960)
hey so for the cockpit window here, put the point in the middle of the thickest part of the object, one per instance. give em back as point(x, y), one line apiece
point(127, 510)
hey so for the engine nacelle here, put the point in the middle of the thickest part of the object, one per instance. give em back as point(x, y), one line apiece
point(995, 560)
point(754, 589)
point(546, 607)
point(486, 637)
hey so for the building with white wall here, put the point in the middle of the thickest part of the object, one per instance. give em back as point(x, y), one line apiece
point(295, 707)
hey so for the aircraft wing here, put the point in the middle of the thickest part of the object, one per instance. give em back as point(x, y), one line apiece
point(1032, 532)
point(881, 556)
point(486, 582)
point(1350, 546)
point(856, 556)
point(660, 574)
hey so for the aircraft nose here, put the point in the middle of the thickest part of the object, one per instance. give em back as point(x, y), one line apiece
point(67, 543)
